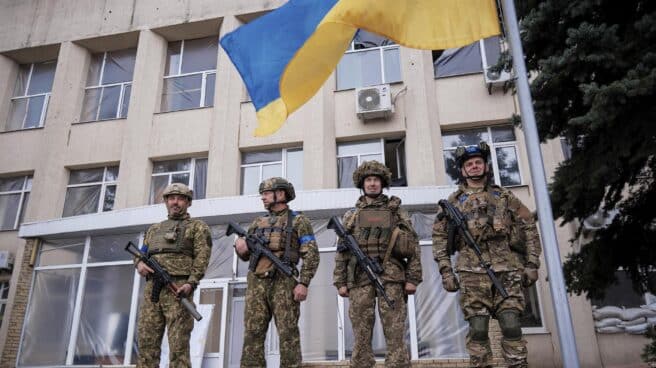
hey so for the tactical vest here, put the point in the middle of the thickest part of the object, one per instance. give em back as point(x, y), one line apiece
point(486, 213)
point(276, 231)
point(170, 237)
point(373, 228)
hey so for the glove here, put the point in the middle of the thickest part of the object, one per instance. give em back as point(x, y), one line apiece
point(449, 280)
point(530, 275)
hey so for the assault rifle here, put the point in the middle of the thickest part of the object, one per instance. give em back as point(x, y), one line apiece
point(160, 279)
point(458, 221)
point(257, 245)
point(370, 266)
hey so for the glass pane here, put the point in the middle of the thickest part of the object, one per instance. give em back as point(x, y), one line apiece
point(209, 89)
point(359, 69)
point(34, 111)
point(104, 316)
point(172, 165)
point(503, 134)
point(261, 156)
point(213, 297)
point(180, 178)
point(86, 176)
point(392, 65)
point(119, 66)
point(452, 172)
point(250, 179)
point(364, 40)
point(4, 290)
point(508, 166)
point(42, 76)
point(110, 196)
point(109, 102)
point(21, 80)
point(376, 157)
point(26, 199)
point(531, 316)
point(93, 77)
point(357, 148)
point(81, 200)
point(157, 186)
point(458, 61)
point(61, 252)
point(125, 103)
point(269, 171)
point(49, 317)
point(441, 327)
point(464, 138)
point(220, 264)
point(318, 322)
point(200, 54)
point(111, 248)
point(200, 178)
point(111, 174)
point(181, 93)
point(173, 58)
point(28, 183)
point(345, 168)
point(17, 112)
point(295, 167)
point(11, 184)
point(91, 104)
point(8, 210)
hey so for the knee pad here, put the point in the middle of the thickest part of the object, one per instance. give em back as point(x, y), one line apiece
point(511, 327)
point(478, 327)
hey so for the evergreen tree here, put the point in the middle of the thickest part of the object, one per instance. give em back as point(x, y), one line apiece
point(594, 63)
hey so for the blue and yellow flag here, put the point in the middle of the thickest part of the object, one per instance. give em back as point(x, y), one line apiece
point(285, 56)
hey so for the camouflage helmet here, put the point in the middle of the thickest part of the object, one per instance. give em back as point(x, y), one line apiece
point(464, 153)
point(276, 183)
point(178, 188)
point(372, 168)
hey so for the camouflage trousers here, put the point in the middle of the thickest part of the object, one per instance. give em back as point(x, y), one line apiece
point(153, 318)
point(362, 301)
point(478, 297)
point(266, 298)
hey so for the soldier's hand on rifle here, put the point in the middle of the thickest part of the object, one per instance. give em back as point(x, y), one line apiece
point(184, 291)
point(343, 292)
point(143, 269)
point(410, 288)
point(300, 292)
point(530, 275)
point(449, 280)
point(241, 247)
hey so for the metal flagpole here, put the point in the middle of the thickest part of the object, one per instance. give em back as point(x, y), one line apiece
point(545, 214)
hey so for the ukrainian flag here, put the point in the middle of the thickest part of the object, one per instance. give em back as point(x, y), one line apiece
point(285, 56)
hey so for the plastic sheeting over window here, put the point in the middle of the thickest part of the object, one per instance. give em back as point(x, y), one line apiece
point(257, 166)
point(189, 171)
point(90, 190)
point(31, 94)
point(466, 59)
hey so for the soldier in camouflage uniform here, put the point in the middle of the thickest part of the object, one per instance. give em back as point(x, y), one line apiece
point(182, 246)
point(269, 292)
point(498, 222)
point(384, 232)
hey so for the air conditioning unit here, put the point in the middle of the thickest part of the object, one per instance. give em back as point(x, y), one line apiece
point(6, 260)
point(493, 79)
point(373, 102)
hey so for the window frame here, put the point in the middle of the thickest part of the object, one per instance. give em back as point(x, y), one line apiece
point(493, 153)
point(191, 171)
point(381, 58)
point(203, 86)
point(282, 162)
point(4, 287)
point(25, 189)
point(99, 85)
point(46, 98)
point(382, 142)
point(104, 183)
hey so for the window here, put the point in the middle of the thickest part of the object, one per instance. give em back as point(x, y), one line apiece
point(503, 150)
point(190, 74)
point(390, 152)
point(257, 166)
point(90, 191)
point(466, 59)
point(189, 171)
point(81, 304)
point(4, 297)
point(14, 194)
point(109, 84)
point(370, 60)
point(31, 95)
